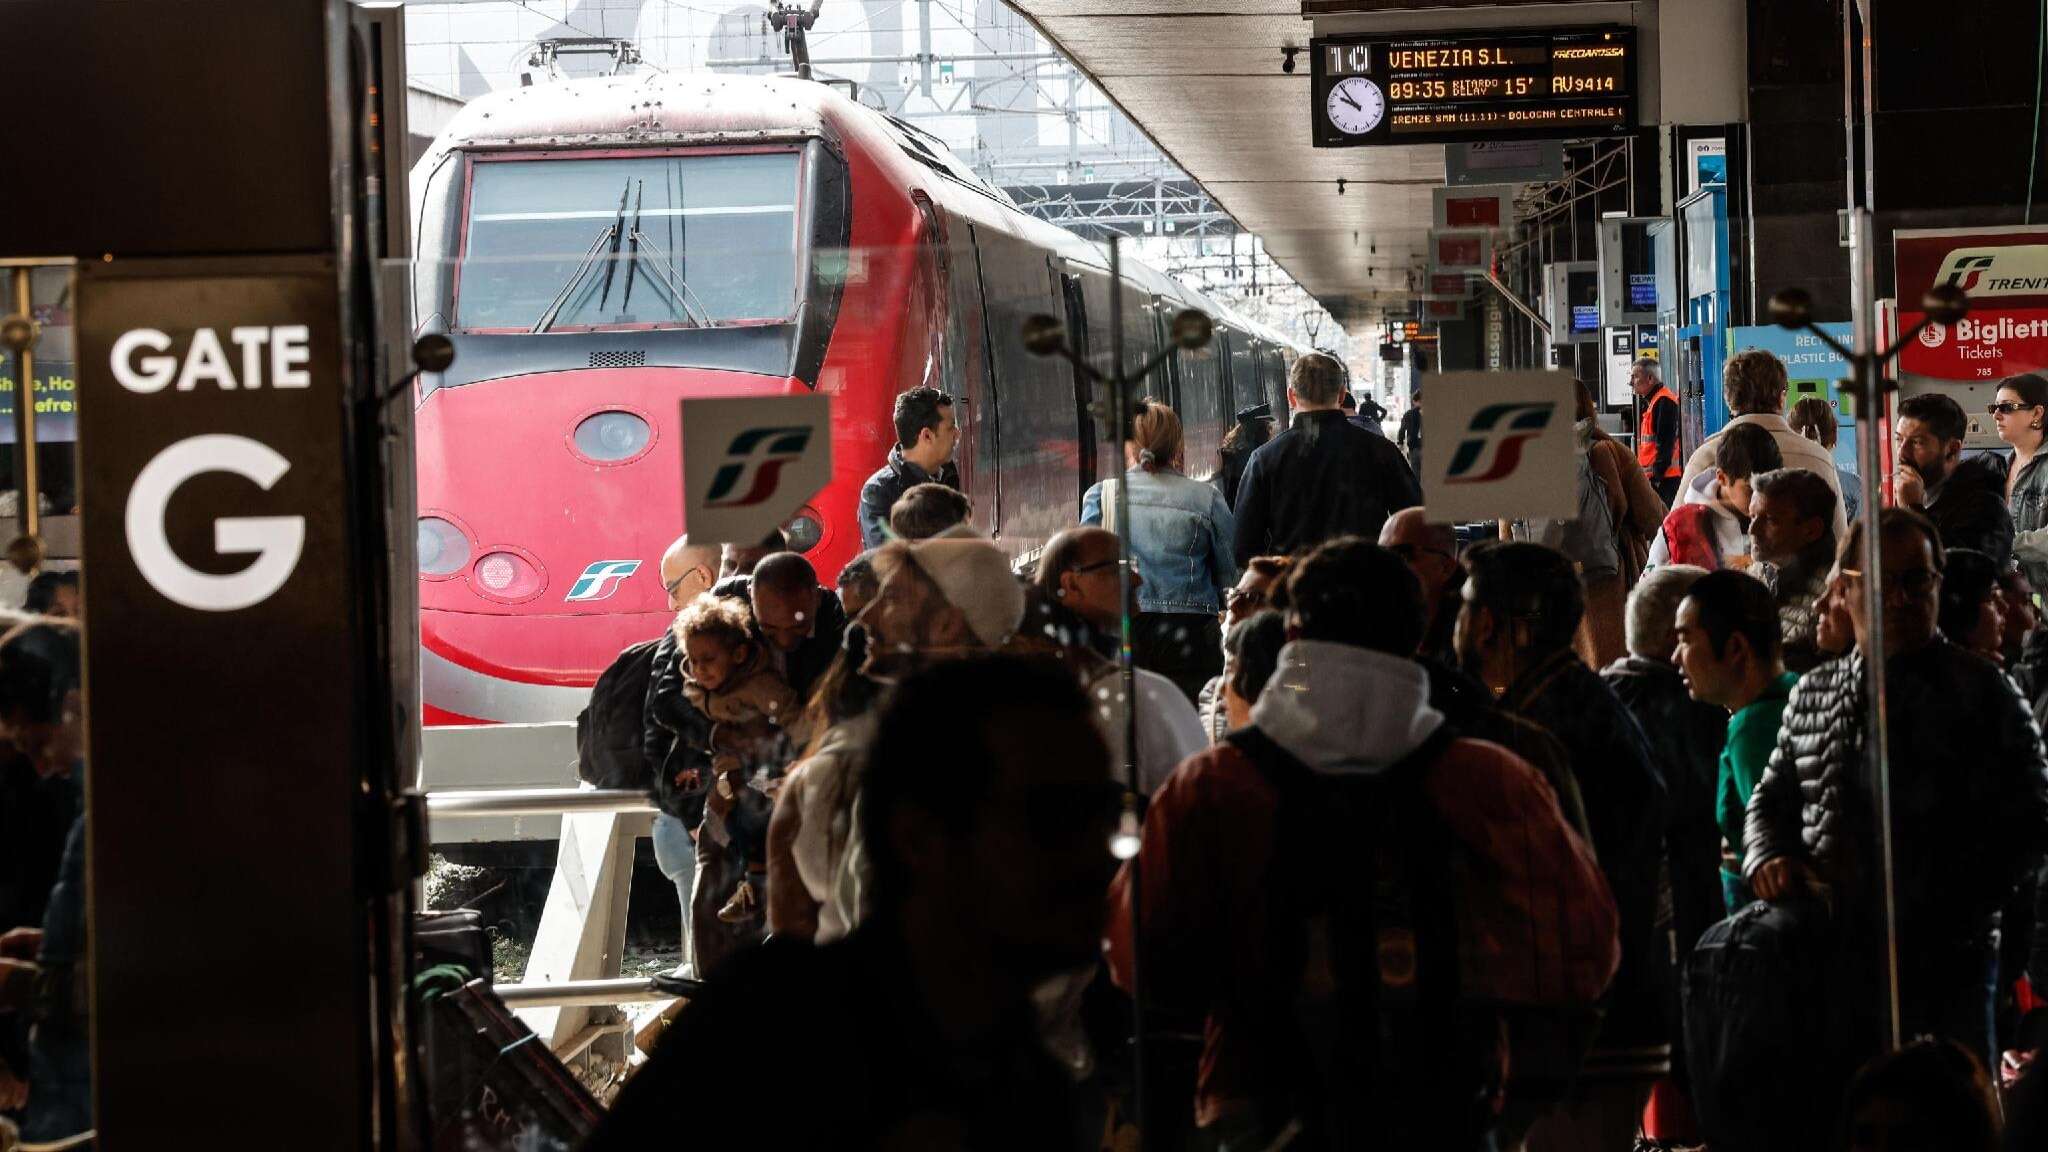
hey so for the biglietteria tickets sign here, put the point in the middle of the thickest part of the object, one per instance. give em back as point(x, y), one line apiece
point(2005, 273)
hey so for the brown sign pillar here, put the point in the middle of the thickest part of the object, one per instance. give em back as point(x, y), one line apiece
point(198, 158)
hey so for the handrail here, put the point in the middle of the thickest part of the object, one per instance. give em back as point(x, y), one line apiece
point(582, 993)
point(536, 801)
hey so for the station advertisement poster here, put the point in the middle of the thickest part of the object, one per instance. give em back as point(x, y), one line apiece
point(56, 380)
point(1509, 447)
point(1813, 369)
point(2005, 272)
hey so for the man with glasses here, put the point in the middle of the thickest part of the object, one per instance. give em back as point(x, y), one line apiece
point(1079, 573)
point(615, 745)
point(1969, 802)
point(1431, 552)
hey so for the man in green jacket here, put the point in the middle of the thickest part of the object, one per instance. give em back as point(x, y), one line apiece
point(1730, 651)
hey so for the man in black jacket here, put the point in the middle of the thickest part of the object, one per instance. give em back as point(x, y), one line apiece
point(801, 625)
point(1521, 607)
point(1323, 478)
point(1969, 801)
point(1685, 738)
point(925, 435)
point(1964, 498)
point(612, 747)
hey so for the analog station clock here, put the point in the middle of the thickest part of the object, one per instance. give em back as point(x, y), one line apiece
point(1356, 105)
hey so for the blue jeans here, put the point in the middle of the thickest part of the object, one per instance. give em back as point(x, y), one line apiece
point(676, 853)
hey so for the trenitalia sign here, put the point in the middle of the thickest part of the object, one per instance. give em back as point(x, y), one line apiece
point(2005, 272)
point(2021, 270)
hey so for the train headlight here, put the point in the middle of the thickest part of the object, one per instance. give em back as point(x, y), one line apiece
point(611, 437)
point(805, 530)
point(508, 576)
point(443, 548)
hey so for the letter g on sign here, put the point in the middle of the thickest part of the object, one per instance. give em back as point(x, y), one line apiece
point(276, 540)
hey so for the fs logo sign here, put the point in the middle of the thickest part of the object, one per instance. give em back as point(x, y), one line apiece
point(600, 580)
point(1509, 452)
point(750, 462)
point(2015, 270)
point(759, 454)
point(1493, 445)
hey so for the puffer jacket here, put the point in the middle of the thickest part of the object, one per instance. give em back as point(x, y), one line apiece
point(1969, 790)
point(1686, 738)
point(1625, 804)
point(1795, 587)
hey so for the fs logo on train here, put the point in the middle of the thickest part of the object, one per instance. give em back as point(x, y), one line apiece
point(749, 462)
point(1508, 448)
point(601, 580)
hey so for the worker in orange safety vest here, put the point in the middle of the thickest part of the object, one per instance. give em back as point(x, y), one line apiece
point(1657, 436)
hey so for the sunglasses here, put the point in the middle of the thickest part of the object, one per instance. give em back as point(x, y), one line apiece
point(2007, 408)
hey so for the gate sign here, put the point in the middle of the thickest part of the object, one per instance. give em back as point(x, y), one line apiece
point(1506, 447)
point(750, 462)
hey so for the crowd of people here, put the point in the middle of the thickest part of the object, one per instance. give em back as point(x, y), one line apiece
point(1565, 840)
point(45, 1063)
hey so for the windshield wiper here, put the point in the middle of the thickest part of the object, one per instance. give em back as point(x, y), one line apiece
point(612, 232)
point(554, 308)
point(677, 289)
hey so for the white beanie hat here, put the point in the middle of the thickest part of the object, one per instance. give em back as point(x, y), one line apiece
point(974, 576)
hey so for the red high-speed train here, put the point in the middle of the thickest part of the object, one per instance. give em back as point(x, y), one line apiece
point(599, 249)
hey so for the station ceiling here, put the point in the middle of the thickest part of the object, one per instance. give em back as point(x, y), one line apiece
point(1203, 78)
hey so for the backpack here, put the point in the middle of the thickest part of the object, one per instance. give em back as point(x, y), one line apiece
point(1589, 538)
point(610, 729)
point(1756, 1028)
point(1386, 1051)
point(1689, 537)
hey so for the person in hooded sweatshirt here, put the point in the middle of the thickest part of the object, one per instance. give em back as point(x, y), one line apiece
point(1710, 527)
point(1349, 809)
point(1521, 608)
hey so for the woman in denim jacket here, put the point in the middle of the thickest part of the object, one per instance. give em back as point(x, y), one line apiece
point(2019, 412)
point(1180, 532)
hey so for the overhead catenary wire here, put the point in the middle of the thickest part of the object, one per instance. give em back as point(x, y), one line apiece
point(2034, 138)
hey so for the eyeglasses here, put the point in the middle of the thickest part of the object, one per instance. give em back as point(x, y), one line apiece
point(1913, 581)
point(1099, 565)
point(1238, 598)
point(2007, 408)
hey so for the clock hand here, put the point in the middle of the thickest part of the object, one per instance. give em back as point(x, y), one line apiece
point(1346, 97)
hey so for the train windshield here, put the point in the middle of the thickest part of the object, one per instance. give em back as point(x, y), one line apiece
point(656, 241)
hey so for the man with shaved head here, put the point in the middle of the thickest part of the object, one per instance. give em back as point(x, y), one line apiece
point(688, 570)
point(1431, 552)
point(613, 745)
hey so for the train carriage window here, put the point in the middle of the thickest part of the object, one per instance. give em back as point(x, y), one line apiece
point(647, 241)
point(1201, 415)
point(965, 369)
point(1041, 441)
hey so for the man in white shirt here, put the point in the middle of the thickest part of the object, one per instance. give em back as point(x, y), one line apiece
point(1078, 571)
point(1754, 384)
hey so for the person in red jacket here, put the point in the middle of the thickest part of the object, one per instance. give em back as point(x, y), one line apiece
point(1350, 812)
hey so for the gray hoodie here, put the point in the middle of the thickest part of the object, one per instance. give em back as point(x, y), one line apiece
point(1342, 709)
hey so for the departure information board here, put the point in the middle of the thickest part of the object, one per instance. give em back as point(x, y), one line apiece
point(1445, 87)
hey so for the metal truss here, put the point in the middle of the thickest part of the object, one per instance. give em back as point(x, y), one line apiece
point(1157, 207)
